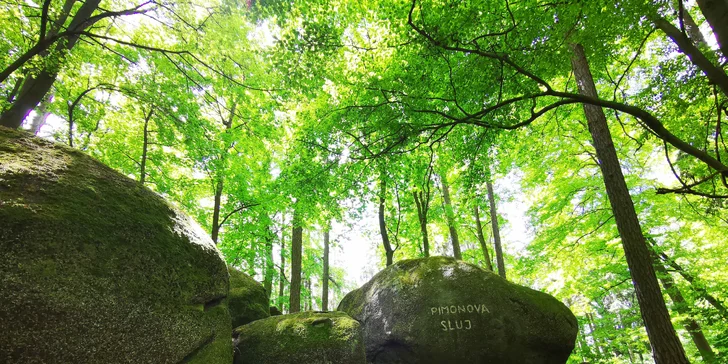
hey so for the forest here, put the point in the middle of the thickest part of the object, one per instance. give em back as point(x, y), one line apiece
point(285, 127)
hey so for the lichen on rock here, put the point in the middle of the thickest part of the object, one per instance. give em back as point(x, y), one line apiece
point(441, 310)
point(306, 337)
point(96, 268)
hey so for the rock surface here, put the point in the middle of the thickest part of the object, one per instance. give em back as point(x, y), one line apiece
point(95, 268)
point(301, 338)
point(247, 300)
point(439, 310)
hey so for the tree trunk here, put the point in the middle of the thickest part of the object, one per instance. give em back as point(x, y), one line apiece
point(695, 284)
point(216, 210)
point(309, 295)
point(269, 268)
point(382, 223)
point(36, 87)
point(666, 346)
point(716, 13)
point(715, 74)
point(450, 215)
point(325, 278)
point(496, 230)
point(282, 273)
point(682, 307)
point(422, 208)
point(145, 147)
point(481, 239)
point(296, 254)
point(41, 115)
point(692, 28)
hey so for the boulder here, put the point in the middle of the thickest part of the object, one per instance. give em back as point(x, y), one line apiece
point(300, 338)
point(247, 300)
point(440, 310)
point(95, 268)
point(274, 311)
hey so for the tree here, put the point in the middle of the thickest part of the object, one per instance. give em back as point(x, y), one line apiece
point(296, 257)
point(666, 345)
point(496, 231)
point(325, 277)
point(450, 216)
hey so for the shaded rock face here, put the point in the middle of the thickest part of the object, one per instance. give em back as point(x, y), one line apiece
point(247, 299)
point(439, 310)
point(300, 338)
point(95, 268)
point(274, 311)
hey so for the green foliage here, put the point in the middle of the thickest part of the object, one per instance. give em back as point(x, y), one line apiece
point(305, 106)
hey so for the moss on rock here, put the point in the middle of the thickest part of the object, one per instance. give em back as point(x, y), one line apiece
point(307, 337)
point(96, 268)
point(440, 310)
point(247, 299)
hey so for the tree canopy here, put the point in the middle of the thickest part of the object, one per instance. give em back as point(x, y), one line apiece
point(423, 122)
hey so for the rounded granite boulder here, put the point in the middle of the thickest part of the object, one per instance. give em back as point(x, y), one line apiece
point(300, 338)
point(247, 300)
point(440, 310)
point(95, 268)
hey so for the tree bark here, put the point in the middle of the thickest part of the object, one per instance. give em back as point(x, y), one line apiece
point(716, 13)
point(388, 251)
point(309, 295)
point(450, 215)
point(325, 278)
point(496, 231)
point(715, 74)
point(269, 268)
point(216, 210)
point(681, 306)
point(695, 284)
point(41, 115)
point(145, 147)
point(36, 87)
point(481, 239)
point(666, 346)
point(282, 273)
point(422, 203)
point(692, 28)
point(296, 255)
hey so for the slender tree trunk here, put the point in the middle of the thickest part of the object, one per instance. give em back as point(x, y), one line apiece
point(454, 239)
point(695, 283)
point(500, 263)
point(481, 239)
point(714, 73)
point(269, 267)
point(41, 115)
point(666, 346)
point(36, 87)
point(681, 306)
point(325, 278)
point(309, 295)
point(422, 208)
point(216, 210)
point(597, 341)
point(282, 273)
point(145, 147)
point(296, 255)
point(382, 222)
point(216, 224)
point(692, 28)
point(716, 13)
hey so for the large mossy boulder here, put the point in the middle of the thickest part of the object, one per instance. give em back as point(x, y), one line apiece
point(439, 310)
point(301, 338)
point(247, 300)
point(95, 268)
